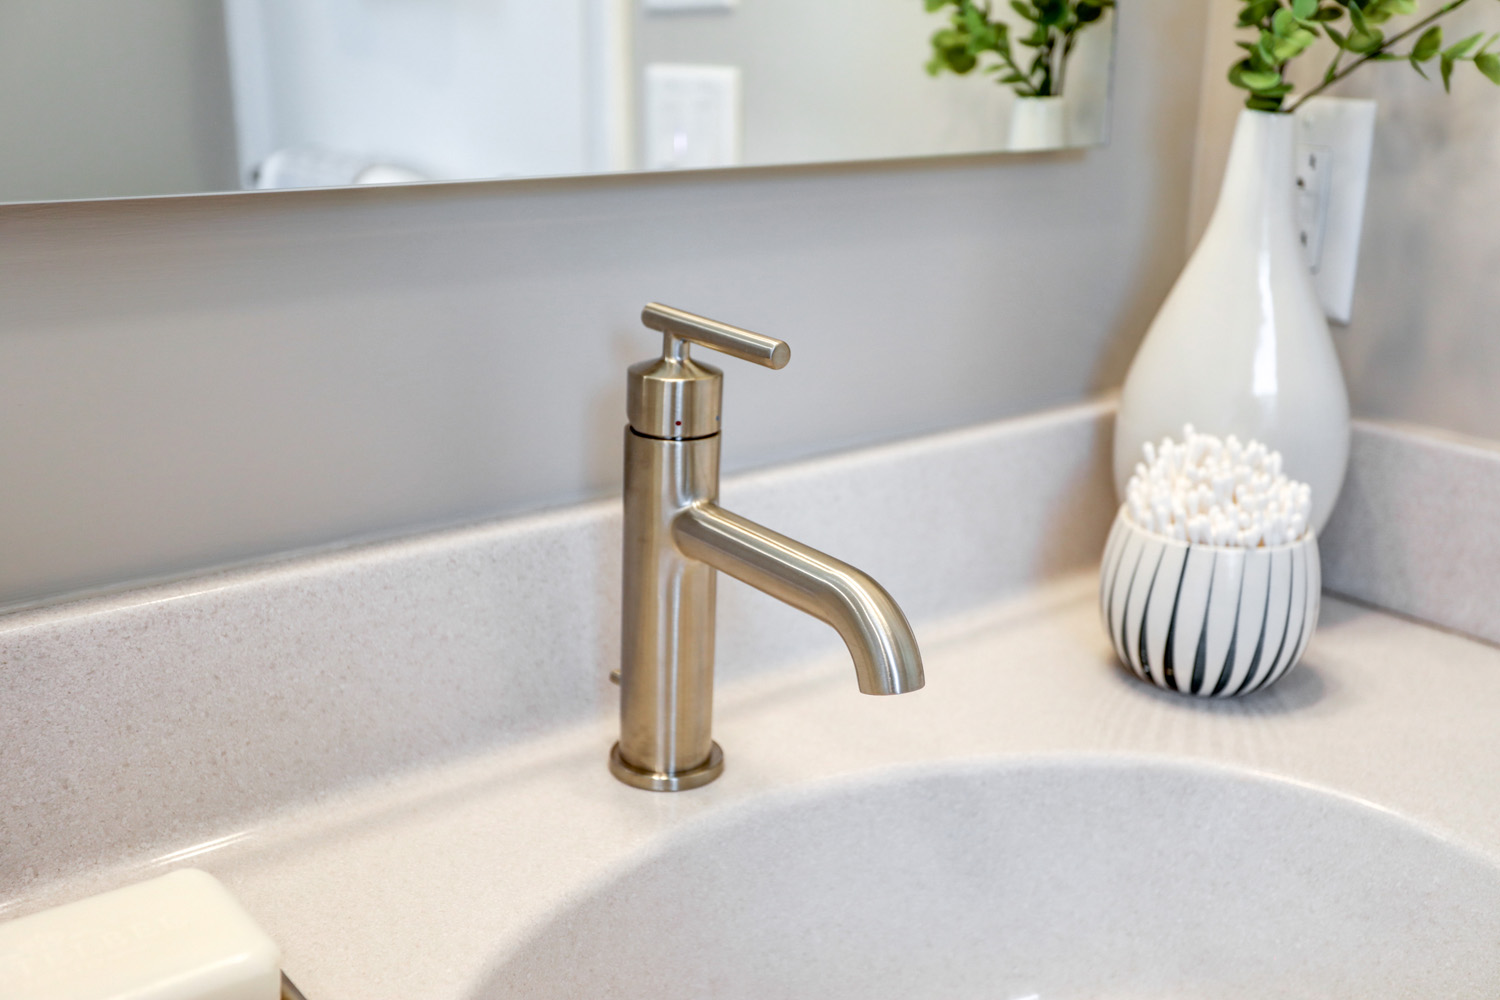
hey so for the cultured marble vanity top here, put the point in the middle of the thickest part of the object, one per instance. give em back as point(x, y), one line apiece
point(420, 879)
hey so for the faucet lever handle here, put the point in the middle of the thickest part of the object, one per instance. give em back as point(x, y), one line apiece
point(682, 328)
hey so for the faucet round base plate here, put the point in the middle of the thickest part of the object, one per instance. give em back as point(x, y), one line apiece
point(656, 781)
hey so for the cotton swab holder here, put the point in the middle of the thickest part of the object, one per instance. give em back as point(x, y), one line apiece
point(1211, 581)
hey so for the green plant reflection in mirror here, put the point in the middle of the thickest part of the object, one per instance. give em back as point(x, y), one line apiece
point(1050, 31)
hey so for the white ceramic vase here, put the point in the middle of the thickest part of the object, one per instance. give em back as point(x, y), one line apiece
point(1241, 345)
point(1038, 123)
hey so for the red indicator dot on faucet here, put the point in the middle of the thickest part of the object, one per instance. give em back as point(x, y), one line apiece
point(679, 423)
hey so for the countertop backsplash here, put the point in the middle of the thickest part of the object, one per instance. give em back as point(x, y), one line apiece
point(1417, 529)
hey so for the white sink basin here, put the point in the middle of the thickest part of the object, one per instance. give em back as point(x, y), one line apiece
point(1062, 879)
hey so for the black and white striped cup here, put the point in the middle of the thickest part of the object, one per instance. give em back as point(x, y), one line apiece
point(1207, 620)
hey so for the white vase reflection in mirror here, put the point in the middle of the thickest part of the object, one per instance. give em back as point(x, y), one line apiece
point(1038, 123)
point(164, 97)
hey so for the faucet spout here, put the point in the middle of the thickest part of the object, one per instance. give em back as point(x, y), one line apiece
point(879, 638)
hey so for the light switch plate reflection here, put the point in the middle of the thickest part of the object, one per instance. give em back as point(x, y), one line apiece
point(692, 116)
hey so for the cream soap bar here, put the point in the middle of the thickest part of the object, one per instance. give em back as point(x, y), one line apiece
point(178, 937)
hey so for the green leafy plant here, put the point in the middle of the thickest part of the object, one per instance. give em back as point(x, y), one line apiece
point(1052, 28)
point(1362, 31)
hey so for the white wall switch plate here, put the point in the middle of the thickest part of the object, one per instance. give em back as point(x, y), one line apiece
point(1314, 171)
point(1335, 137)
point(692, 116)
point(690, 4)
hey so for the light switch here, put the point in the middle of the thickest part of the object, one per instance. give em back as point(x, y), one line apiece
point(692, 116)
point(1335, 137)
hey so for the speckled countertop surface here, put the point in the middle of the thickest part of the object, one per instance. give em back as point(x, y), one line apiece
point(395, 755)
point(420, 885)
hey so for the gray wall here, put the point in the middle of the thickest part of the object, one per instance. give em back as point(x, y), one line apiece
point(101, 100)
point(1424, 344)
point(192, 382)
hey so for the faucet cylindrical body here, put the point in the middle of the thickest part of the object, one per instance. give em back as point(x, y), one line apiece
point(667, 635)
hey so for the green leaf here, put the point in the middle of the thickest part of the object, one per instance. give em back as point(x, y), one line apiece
point(1052, 12)
point(1256, 12)
point(1289, 48)
point(1447, 65)
point(1283, 23)
point(1489, 65)
point(961, 62)
point(1304, 10)
point(1365, 42)
point(1264, 55)
point(1429, 45)
point(1420, 71)
point(1259, 80)
point(1258, 103)
point(1459, 50)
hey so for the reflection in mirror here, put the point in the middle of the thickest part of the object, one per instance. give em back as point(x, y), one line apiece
point(153, 97)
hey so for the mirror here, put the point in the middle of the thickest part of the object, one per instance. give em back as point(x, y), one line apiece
point(164, 97)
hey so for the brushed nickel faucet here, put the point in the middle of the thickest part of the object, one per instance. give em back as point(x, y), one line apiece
point(677, 538)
